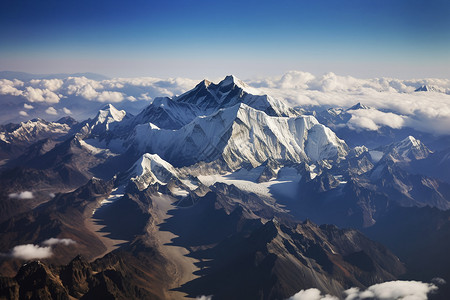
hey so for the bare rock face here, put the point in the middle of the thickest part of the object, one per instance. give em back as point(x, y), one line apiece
point(9, 288)
point(37, 281)
point(275, 261)
point(108, 278)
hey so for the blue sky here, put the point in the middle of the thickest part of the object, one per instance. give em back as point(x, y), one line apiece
point(363, 38)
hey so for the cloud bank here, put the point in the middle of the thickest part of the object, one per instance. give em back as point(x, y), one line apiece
point(391, 290)
point(312, 294)
point(395, 102)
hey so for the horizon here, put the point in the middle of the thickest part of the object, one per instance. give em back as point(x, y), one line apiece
point(62, 75)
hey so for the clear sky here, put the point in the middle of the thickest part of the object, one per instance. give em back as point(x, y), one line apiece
point(363, 38)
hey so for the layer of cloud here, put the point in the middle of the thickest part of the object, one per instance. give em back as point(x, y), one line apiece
point(425, 111)
point(391, 290)
point(312, 294)
point(396, 100)
point(372, 119)
point(23, 113)
point(67, 111)
point(22, 195)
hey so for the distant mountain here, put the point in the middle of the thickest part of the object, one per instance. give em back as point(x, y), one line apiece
point(406, 150)
point(358, 106)
point(429, 88)
point(28, 76)
point(337, 119)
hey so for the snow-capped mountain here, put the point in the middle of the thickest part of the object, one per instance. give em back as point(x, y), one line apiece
point(429, 88)
point(408, 149)
point(32, 131)
point(205, 99)
point(358, 105)
point(344, 122)
point(150, 169)
point(241, 134)
point(107, 120)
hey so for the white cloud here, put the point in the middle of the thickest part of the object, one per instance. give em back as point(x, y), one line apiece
point(28, 106)
point(39, 95)
point(23, 113)
point(22, 195)
point(358, 123)
point(51, 111)
point(8, 87)
point(426, 111)
point(87, 92)
point(372, 119)
point(393, 290)
point(55, 241)
point(204, 298)
point(49, 84)
point(110, 97)
point(295, 80)
point(67, 111)
point(312, 294)
point(145, 97)
point(31, 251)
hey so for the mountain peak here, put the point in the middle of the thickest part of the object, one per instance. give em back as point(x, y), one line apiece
point(151, 168)
point(410, 140)
point(110, 113)
point(410, 148)
point(203, 84)
point(233, 80)
point(428, 88)
point(109, 106)
point(358, 106)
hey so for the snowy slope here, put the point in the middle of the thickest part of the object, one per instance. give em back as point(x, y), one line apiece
point(33, 130)
point(205, 99)
point(150, 169)
point(108, 123)
point(408, 149)
point(240, 134)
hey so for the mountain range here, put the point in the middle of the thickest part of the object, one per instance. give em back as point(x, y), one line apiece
point(221, 191)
